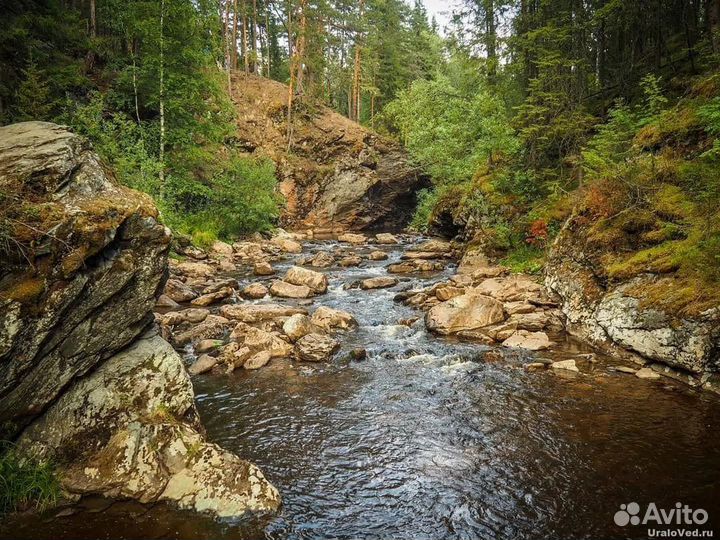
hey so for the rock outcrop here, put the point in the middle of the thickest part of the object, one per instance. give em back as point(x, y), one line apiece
point(83, 378)
point(338, 174)
point(620, 317)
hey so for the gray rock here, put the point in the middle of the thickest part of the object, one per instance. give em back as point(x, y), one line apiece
point(617, 319)
point(104, 263)
point(114, 411)
point(566, 365)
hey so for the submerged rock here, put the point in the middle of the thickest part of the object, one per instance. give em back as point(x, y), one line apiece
point(532, 341)
point(566, 365)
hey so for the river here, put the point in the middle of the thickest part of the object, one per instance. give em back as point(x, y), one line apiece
point(434, 438)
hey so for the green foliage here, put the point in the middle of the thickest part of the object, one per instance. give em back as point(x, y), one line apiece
point(25, 484)
point(241, 199)
point(120, 140)
point(524, 258)
point(107, 89)
point(710, 115)
point(32, 101)
point(450, 131)
point(611, 149)
point(427, 200)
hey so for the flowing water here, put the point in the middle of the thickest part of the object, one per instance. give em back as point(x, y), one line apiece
point(432, 439)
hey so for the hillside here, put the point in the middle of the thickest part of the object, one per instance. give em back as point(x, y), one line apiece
point(337, 174)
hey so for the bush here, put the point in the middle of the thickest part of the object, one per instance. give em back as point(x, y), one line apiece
point(25, 484)
point(240, 199)
point(427, 200)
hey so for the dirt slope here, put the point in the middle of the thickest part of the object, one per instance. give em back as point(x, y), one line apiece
point(337, 175)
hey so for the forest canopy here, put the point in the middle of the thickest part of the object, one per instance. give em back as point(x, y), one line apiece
point(522, 111)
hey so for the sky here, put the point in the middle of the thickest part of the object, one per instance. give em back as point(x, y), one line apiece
point(440, 9)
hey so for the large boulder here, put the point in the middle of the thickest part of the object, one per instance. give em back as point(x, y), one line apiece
point(82, 382)
point(94, 275)
point(130, 429)
point(468, 312)
point(317, 281)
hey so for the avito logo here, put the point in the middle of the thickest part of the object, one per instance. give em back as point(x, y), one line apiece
point(678, 522)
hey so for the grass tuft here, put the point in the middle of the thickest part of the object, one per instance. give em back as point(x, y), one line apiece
point(25, 484)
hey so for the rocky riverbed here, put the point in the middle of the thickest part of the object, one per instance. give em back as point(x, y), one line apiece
point(388, 387)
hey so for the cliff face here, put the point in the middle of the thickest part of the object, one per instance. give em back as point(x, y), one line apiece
point(629, 317)
point(337, 175)
point(84, 379)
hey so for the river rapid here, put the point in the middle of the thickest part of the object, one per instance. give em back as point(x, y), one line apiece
point(432, 438)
